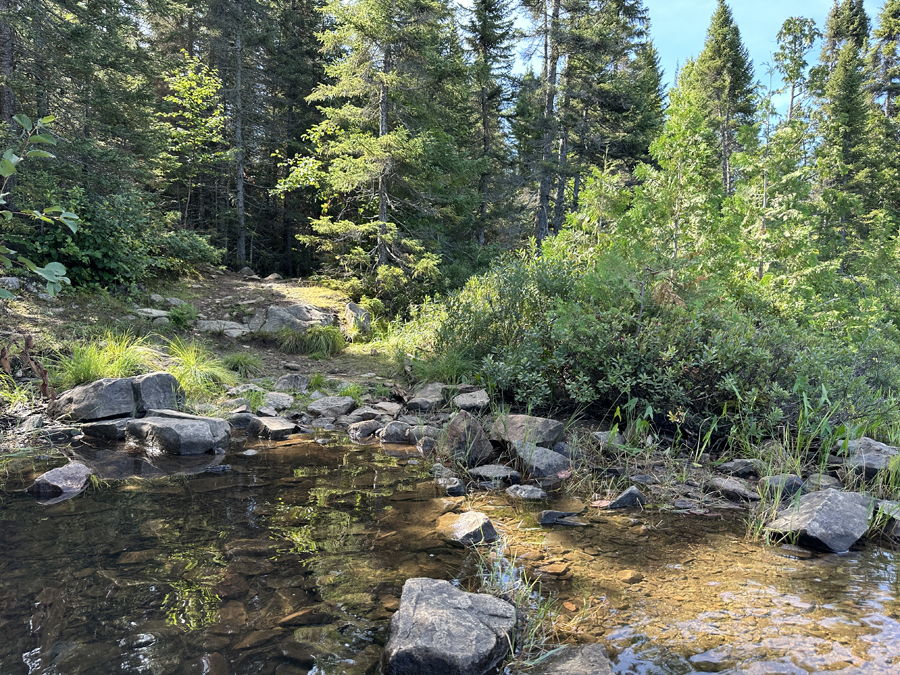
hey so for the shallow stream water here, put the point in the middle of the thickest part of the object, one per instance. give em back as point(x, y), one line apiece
point(292, 562)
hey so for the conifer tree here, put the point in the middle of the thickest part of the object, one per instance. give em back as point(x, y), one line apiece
point(884, 60)
point(847, 22)
point(724, 74)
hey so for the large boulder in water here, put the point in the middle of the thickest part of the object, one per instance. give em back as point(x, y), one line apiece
point(826, 519)
point(181, 435)
point(60, 483)
point(441, 629)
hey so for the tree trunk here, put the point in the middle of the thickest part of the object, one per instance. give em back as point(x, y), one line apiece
point(7, 97)
point(381, 246)
point(241, 247)
point(551, 58)
point(485, 155)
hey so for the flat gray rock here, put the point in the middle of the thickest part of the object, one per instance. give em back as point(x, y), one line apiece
point(465, 441)
point(420, 431)
point(475, 401)
point(826, 519)
point(822, 481)
point(149, 313)
point(332, 406)
point(441, 630)
point(467, 529)
point(523, 428)
point(529, 492)
point(279, 401)
point(732, 488)
point(540, 462)
point(496, 472)
point(216, 326)
point(866, 455)
point(219, 428)
point(428, 398)
point(272, 428)
point(585, 660)
point(107, 430)
point(298, 317)
point(292, 382)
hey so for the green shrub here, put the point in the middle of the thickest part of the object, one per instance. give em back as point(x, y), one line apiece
point(245, 365)
point(182, 316)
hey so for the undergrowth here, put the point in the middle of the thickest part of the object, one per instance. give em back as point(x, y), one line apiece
point(115, 355)
point(320, 341)
point(199, 372)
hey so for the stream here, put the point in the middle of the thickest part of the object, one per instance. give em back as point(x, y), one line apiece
point(292, 562)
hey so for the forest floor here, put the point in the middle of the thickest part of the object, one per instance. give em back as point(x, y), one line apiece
point(216, 294)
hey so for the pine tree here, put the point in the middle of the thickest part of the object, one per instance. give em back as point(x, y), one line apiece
point(489, 37)
point(846, 22)
point(884, 60)
point(725, 76)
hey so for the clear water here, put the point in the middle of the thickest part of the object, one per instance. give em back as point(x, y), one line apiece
point(293, 561)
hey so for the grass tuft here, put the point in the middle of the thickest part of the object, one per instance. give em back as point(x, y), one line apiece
point(245, 365)
point(116, 355)
point(198, 371)
point(326, 341)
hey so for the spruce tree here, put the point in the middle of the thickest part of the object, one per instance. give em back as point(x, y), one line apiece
point(884, 60)
point(846, 22)
point(725, 75)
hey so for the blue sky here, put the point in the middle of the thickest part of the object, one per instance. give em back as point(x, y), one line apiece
point(678, 27)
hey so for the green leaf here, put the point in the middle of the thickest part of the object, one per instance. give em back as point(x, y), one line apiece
point(53, 209)
point(24, 122)
point(5, 262)
point(43, 138)
point(40, 153)
point(46, 120)
point(30, 265)
point(12, 157)
point(7, 168)
point(57, 268)
point(71, 221)
point(6, 295)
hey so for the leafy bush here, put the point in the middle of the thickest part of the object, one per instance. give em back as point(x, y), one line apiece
point(183, 315)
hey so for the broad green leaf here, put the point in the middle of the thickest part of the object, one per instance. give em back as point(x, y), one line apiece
point(40, 153)
point(46, 120)
point(12, 157)
point(43, 138)
point(24, 121)
point(6, 295)
point(5, 262)
point(71, 221)
point(6, 168)
point(53, 209)
point(30, 265)
point(57, 268)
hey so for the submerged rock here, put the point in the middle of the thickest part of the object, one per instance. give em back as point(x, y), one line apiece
point(826, 519)
point(467, 529)
point(440, 629)
point(531, 492)
point(584, 660)
point(61, 483)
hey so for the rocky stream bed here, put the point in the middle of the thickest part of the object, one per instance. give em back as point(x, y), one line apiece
point(284, 541)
